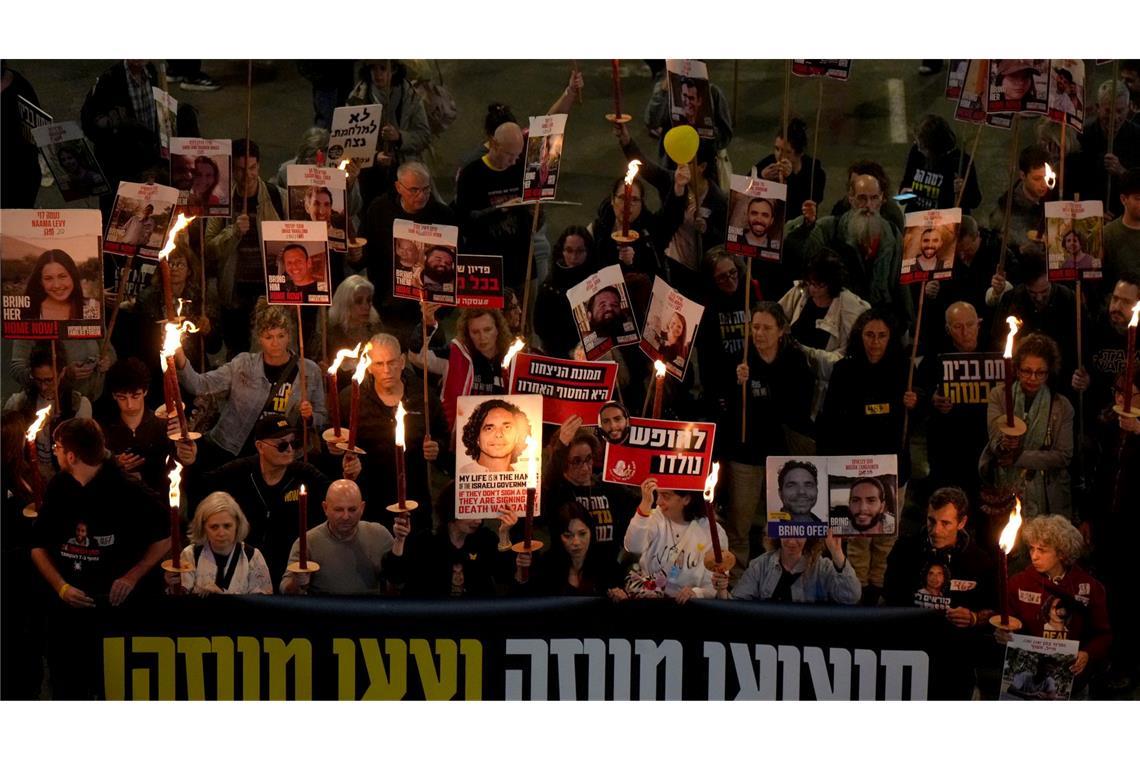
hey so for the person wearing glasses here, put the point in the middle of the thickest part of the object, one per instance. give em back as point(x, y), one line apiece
point(267, 488)
point(724, 324)
point(1035, 464)
point(39, 391)
point(410, 198)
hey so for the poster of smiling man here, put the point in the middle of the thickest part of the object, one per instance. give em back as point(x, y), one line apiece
point(756, 217)
point(929, 243)
point(498, 441)
point(200, 170)
point(296, 263)
point(317, 194)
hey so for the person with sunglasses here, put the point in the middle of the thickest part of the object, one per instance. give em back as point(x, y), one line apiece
point(1036, 464)
point(267, 487)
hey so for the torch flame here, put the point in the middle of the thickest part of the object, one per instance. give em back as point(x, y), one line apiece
point(1050, 177)
point(517, 346)
point(175, 484)
point(342, 166)
point(341, 355)
point(362, 363)
point(34, 428)
point(303, 491)
point(178, 308)
point(1135, 314)
point(710, 481)
point(632, 171)
point(172, 337)
point(1013, 323)
point(400, 414)
point(659, 368)
point(531, 454)
point(179, 224)
point(1009, 532)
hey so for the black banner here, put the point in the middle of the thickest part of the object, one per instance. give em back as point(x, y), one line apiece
point(366, 648)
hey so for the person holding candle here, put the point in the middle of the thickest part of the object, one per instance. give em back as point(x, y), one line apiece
point(352, 319)
point(573, 262)
point(1054, 548)
point(389, 383)
point(1107, 344)
point(671, 538)
point(792, 570)
point(574, 565)
point(258, 383)
point(640, 260)
point(96, 540)
point(1036, 463)
point(223, 563)
point(354, 555)
point(38, 393)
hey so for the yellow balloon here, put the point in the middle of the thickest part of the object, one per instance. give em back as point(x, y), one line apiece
point(681, 144)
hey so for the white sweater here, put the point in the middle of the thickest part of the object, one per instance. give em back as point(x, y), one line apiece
point(654, 539)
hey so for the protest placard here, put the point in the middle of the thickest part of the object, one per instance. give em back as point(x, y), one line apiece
point(970, 378)
point(543, 156)
point(296, 257)
point(677, 453)
point(317, 194)
point(200, 170)
point(492, 456)
point(796, 490)
point(71, 160)
point(354, 133)
point(756, 217)
point(423, 261)
point(690, 98)
point(929, 242)
point(1018, 85)
point(567, 387)
point(1067, 92)
point(1073, 234)
point(139, 219)
point(31, 116)
point(863, 495)
point(671, 323)
point(602, 313)
point(956, 77)
point(479, 281)
point(832, 68)
point(1037, 668)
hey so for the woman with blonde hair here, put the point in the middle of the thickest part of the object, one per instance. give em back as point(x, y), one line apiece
point(222, 563)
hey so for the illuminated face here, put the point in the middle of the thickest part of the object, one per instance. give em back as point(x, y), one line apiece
point(387, 366)
point(1044, 558)
point(245, 173)
point(439, 265)
point(783, 150)
point(270, 450)
point(935, 577)
point(962, 324)
point(635, 203)
point(792, 547)
point(579, 464)
point(205, 179)
point(498, 436)
point(759, 218)
point(576, 539)
point(1124, 297)
point(672, 504)
point(875, 336)
point(274, 343)
point(484, 335)
point(505, 152)
point(1035, 185)
point(361, 307)
point(179, 270)
point(44, 379)
point(319, 206)
point(343, 510)
point(182, 172)
point(1015, 86)
point(799, 492)
point(1104, 111)
point(614, 423)
point(726, 276)
point(675, 330)
point(574, 251)
point(866, 506)
point(1032, 372)
point(130, 403)
point(765, 332)
point(221, 532)
point(930, 243)
point(865, 194)
point(57, 283)
point(690, 102)
point(942, 525)
point(297, 266)
point(607, 308)
point(414, 191)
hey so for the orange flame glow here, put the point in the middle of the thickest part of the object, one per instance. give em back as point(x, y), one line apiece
point(172, 337)
point(34, 428)
point(400, 414)
point(1009, 532)
point(659, 368)
point(341, 355)
point(1135, 315)
point(1050, 177)
point(179, 224)
point(632, 171)
point(1014, 323)
point(710, 481)
point(513, 351)
point(362, 363)
point(175, 484)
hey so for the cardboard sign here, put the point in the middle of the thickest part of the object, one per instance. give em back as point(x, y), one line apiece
point(671, 323)
point(567, 387)
point(543, 156)
point(71, 160)
point(852, 495)
point(424, 261)
point(756, 209)
point(1018, 85)
point(832, 68)
point(1037, 668)
point(52, 272)
point(929, 242)
point(200, 170)
point(491, 454)
point(678, 454)
point(602, 312)
point(1067, 92)
point(690, 97)
point(31, 116)
point(1074, 245)
point(140, 219)
point(956, 77)
point(296, 257)
point(317, 194)
point(354, 134)
point(970, 378)
point(166, 114)
point(479, 281)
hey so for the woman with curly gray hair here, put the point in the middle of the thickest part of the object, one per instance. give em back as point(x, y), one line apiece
point(1054, 547)
point(222, 562)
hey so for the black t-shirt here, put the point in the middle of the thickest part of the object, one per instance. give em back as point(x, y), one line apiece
point(148, 441)
point(94, 534)
point(506, 232)
point(805, 331)
point(275, 376)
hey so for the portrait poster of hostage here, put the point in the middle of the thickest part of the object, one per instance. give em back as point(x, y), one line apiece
point(929, 244)
point(863, 495)
point(71, 160)
point(139, 219)
point(200, 171)
point(543, 156)
point(51, 270)
point(498, 443)
point(296, 263)
point(796, 491)
point(602, 312)
point(1073, 231)
point(316, 194)
point(756, 217)
point(424, 261)
point(671, 323)
point(690, 99)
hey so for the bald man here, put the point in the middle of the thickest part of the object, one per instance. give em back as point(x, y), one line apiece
point(481, 189)
point(350, 552)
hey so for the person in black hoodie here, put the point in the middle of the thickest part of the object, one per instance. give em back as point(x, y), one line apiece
point(789, 164)
point(863, 413)
point(779, 384)
point(640, 260)
point(553, 319)
point(720, 338)
point(934, 167)
point(573, 565)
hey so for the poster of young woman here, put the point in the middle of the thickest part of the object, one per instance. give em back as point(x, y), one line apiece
point(756, 217)
point(296, 263)
point(543, 156)
point(492, 457)
point(317, 194)
point(929, 242)
point(51, 271)
point(1018, 85)
point(71, 161)
point(671, 323)
point(200, 170)
point(1073, 232)
point(139, 219)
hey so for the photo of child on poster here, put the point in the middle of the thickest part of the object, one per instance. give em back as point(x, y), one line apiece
point(929, 243)
point(602, 312)
point(139, 219)
point(317, 194)
point(1037, 668)
point(200, 170)
point(296, 263)
point(863, 495)
point(1018, 85)
point(543, 156)
point(1073, 231)
point(424, 261)
point(1067, 92)
point(492, 455)
point(690, 99)
point(52, 273)
point(71, 160)
point(797, 491)
point(671, 323)
point(756, 217)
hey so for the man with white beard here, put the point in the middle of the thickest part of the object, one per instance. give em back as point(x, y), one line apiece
point(869, 247)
